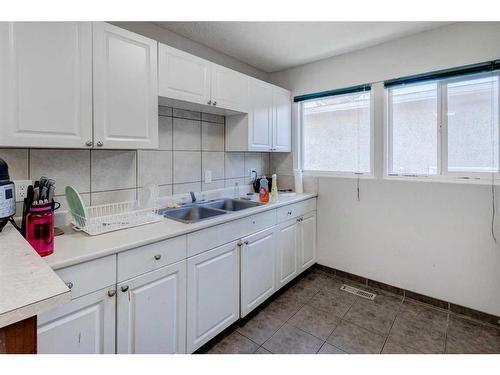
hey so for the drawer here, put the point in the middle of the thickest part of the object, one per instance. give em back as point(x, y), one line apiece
point(293, 210)
point(209, 238)
point(90, 276)
point(147, 258)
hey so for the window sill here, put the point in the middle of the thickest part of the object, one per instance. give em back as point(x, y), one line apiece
point(448, 180)
point(338, 175)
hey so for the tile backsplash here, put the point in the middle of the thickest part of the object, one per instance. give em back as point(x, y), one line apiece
point(189, 143)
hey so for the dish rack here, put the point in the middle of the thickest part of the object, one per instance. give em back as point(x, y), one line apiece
point(115, 216)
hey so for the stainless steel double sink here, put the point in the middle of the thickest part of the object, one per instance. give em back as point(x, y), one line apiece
point(194, 212)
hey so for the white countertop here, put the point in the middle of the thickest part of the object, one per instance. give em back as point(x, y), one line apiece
point(76, 247)
point(28, 286)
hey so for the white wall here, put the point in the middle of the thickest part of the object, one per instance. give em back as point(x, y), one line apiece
point(431, 238)
point(172, 39)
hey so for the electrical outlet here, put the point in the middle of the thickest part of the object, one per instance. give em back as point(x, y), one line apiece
point(22, 189)
point(208, 176)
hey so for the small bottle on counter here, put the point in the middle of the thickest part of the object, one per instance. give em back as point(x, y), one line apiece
point(264, 190)
point(274, 189)
point(236, 190)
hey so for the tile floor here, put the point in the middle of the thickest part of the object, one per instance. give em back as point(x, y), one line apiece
point(314, 316)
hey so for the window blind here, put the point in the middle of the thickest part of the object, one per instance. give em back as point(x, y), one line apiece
point(445, 73)
point(322, 94)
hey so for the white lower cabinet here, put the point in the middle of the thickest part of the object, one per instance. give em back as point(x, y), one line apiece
point(307, 241)
point(151, 312)
point(287, 267)
point(86, 325)
point(258, 269)
point(213, 293)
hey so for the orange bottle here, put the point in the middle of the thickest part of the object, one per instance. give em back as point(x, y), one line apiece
point(264, 190)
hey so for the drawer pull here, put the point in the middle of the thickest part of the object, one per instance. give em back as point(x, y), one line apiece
point(289, 213)
point(111, 292)
point(298, 220)
point(124, 288)
point(157, 256)
point(240, 243)
point(246, 242)
point(69, 285)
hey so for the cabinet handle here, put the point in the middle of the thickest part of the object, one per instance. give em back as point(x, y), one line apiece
point(124, 288)
point(215, 103)
point(209, 102)
point(246, 242)
point(298, 220)
point(111, 293)
point(69, 284)
point(289, 213)
point(157, 257)
point(100, 144)
point(240, 243)
point(89, 143)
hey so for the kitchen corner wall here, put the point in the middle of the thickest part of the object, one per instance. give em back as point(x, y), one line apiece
point(189, 143)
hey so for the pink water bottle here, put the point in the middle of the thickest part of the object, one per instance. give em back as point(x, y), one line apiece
point(40, 229)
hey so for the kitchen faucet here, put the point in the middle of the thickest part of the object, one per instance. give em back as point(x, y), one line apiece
point(193, 198)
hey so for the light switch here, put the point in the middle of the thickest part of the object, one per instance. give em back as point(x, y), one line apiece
point(208, 176)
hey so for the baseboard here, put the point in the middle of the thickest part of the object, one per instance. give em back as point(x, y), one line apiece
point(457, 309)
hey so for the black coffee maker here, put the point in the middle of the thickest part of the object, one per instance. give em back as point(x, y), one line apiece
point(7, 195)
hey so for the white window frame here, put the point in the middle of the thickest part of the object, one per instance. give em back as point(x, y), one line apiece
point(443, 174)
point(315, 173)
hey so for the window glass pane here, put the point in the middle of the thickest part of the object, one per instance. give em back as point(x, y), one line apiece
point(336, 133)
point(413, 129)
point(473, 124)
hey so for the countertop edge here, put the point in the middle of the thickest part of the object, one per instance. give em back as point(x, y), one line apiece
point(56, 265)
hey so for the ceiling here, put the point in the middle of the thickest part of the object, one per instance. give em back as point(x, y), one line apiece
point(275, 46)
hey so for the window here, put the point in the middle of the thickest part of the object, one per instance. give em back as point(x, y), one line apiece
point(444, 128)
point(336, 134)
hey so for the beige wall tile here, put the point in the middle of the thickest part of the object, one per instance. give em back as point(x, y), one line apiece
point(184, 113)
point(186, 188)
point(165, 190)
point(165, 133)
point(213, 185)
point(154, 167)
point(234, 165)
point(282, 163)
point(213, 161)
point(17, 161)
point(164, 111)
point(113, 169)
point(253, 160)
point(266, 163)
point(67, 167)
point(186, 135)
point(113, 196)
point(212, 137)
point(186, 166)
point(209, 117)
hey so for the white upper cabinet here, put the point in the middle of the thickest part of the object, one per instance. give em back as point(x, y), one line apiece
point(282, 119)
point(183, 76)
point(267, 126)
point(151, 312)
point(192, 79)
point(229, 89)
point(125, 84)
point(261, 116)
point(46, 84)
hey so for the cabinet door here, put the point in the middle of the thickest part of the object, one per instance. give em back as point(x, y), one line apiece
point(125, 88)
point(258, 269)
point(183, 76)
point(282, 120)
point(46, 90)
point(307, 241)
point(260, 117)
point(86, 325)
point(229, 89)
point(287, 252)
point(213, 294)
point(151, 315)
